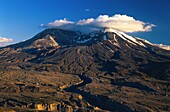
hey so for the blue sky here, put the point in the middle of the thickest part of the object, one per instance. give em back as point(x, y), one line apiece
point(21, 19)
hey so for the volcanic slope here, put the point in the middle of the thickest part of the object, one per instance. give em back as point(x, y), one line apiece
point(70, 71)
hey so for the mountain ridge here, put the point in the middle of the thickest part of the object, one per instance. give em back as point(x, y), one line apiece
point(77, 36)
point(166, 47)
point(85, 70)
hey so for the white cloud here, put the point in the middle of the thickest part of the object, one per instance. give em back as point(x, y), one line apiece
point(5, 40)
point(149, 27)
point(120, 22)
point(63, 24)
point(85, 21)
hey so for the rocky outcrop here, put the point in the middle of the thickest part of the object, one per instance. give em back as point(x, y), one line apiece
point(47, 41)
point(59, 106)
point(40, 107)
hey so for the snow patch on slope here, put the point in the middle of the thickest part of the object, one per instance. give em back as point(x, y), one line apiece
point(126, 37)
point(166, 47)
point(83, 41)
point(146, 41)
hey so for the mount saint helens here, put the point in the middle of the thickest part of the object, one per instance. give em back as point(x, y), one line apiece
point(61, 70)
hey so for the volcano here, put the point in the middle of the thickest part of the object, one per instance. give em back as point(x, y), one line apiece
point(61, 70)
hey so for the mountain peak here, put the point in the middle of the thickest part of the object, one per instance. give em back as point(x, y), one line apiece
point(110, 30)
